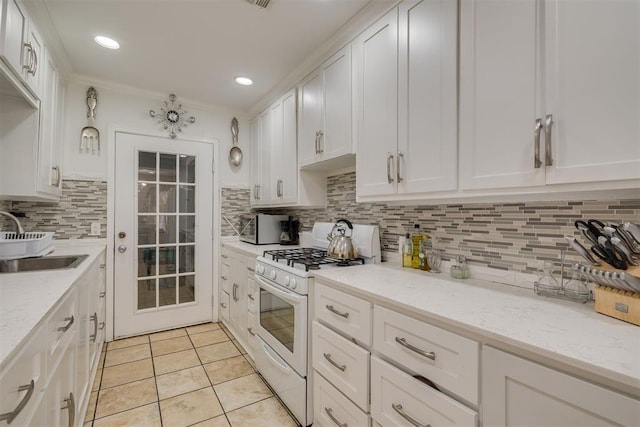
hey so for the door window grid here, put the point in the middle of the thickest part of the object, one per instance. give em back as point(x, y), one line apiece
point(165, 229)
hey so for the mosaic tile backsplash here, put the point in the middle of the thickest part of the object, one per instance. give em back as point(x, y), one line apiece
point(81, 203)
point(507, 236)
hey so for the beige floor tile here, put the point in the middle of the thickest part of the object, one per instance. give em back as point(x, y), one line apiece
point(126, 373)
point(228, 369)
point(91, 407)
point(128, 342)
point(96, 380)
point(180, 382)
point(171, 345)
point(174, 333)
point(205, 327)
point(219, 421)
point(229, 334)
point(215, 352)
point(190, 408)
point(208, 338)
point(127, 396)
point(240, 348)
point(128, 354)
point(88, 424)
point(147, 416)
point(175, 361)
point(241, 392)
point(267, 412)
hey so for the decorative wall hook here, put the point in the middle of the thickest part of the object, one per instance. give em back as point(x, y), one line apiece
point(172, 117)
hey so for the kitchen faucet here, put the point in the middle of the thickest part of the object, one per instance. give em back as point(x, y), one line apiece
point(19, 229)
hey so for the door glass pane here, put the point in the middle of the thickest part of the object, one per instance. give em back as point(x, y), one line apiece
point(187, 259)
point(187, 169)
point(146, 262)
point(187, 229)
point(146, 293)
point(277, 317)
point(167, 198)
point(167, 290)
point(167, 260)
point(147, 230)
point(187, 199)
point(146, 197)
point(146, 166)
point(167, 168)
point(187, 291)
point(167, 228)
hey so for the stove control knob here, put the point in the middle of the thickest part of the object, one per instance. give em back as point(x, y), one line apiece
point(285, 281)
point(272, 275)
point(260, 269)
point(292, 283)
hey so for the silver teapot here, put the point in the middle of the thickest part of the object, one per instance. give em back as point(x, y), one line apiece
point(341, 246)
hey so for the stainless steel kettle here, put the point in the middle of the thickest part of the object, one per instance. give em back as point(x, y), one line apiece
point(340, 245)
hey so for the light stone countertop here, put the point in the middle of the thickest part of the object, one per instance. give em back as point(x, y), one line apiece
point(27, 298)
point(253, 250)
point(563, 334)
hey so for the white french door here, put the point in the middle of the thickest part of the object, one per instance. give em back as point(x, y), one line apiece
point(163, 242)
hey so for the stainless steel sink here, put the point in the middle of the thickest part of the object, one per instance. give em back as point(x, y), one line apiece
point(42, 263)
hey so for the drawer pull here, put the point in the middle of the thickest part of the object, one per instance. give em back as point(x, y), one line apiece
point(102, 294)
point(10, 416)
point(71, 406)
point(66, 327)
point(333, 362)
point(225, 256)
point(94, 319)
point(251, 297)
point(223, 305)
point(334, 311)
point(251, 331)
point(329, 412)
point(398, 408)
point(223, 277)
point(102, 325)
point(428, 354)
point(251, 269)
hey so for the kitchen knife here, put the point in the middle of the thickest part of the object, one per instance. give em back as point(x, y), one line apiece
point(629, 240)
point(634, 230)
point(581, 249)
point(623, 247)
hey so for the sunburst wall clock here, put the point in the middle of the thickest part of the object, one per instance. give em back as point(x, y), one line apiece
point(172, 116)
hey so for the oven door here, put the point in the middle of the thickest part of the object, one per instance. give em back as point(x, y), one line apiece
point(283, 323)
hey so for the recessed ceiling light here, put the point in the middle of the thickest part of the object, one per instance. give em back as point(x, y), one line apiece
point(244, 81)
point(107, 42)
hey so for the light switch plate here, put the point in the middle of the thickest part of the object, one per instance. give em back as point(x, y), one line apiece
point(95, 229)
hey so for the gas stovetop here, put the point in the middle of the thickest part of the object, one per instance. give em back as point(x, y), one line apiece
point(309, 258)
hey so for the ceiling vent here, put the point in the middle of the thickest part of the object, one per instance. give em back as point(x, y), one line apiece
point(260, 3)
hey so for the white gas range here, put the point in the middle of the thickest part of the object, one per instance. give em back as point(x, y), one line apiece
point(285, 279)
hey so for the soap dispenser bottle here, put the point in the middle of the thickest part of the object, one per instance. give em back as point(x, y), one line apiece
point(407, 251)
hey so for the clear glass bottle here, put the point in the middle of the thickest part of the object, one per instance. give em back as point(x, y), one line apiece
point(546, 282)
point(424, 252)
point(576, 288)
point(407, 251)
point(461, 269)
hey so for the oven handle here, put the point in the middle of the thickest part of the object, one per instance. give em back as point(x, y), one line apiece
point(268, 352)
point(287, 296)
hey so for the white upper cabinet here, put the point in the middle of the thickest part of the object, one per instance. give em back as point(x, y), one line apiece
point(260, 158)
point(549, 92)
point(284, 167)
point(407, 101)
point(325, 131)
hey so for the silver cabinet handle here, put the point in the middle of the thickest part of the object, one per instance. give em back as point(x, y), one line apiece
point(320, 141)
point(339, 313)
point(329, 412)
point(400, 156)
point(279, 188)
point(71, 406)
point(35, 63)
point(58, 177)
point(102, 294)
point(389, 162)
point(398, 408)
point(225, 256)
point(29, 66)
point(10, 416)
point(94, 318)
point(251, 297)
point(548, 122)
point(317, 142)
point(223, 277)
point(536, 144)
point(66, 327)
point(250, 330)
point(235, 292)
point(251, 269)
point(403, 342)
point(223, 305)
point(102, 325)
point(259, 192)
point(333, 362)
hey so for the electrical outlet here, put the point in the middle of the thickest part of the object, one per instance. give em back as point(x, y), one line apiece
point(95, 229)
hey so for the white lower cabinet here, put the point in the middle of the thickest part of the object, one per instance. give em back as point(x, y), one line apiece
point(224, 306)
point(398, 399)
point(331, 408)
point(345, 313)
point(518, 392)
point(62, 394)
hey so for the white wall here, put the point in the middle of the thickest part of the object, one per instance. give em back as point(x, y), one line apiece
point(129, 109)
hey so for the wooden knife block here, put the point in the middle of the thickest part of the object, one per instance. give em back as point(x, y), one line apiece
point(623, 305)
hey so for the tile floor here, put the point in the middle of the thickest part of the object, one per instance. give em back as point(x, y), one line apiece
point(197, 376)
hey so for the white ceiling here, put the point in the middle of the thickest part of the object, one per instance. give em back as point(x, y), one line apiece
point(194, 48)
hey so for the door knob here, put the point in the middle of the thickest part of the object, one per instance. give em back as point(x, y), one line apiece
point(122, 249)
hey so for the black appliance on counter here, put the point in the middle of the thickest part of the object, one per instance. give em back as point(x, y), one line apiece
point(290, 232)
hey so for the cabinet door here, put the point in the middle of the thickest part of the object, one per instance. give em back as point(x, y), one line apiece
point(336, 138)
point(238, 297)
point(287, 164)
point(376, 59)
point(33, 76)
point(260, 139)
point(49, 178)
point(276, 150)
point(499, 94)
point(311, 117)
point(517, 392)
point(593, 89)
point(13, 24)
point(427, 101)
point(62, 403)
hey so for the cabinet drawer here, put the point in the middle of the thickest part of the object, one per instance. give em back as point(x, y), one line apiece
point(252, 327)
point(445, 358)
point(224, 277)
point(346, 313)
point(224, 306)
point(62, 328)
point(398, 398)
point(343, 363)
point(331, 408)
point(252, 295)
point(15, 379)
